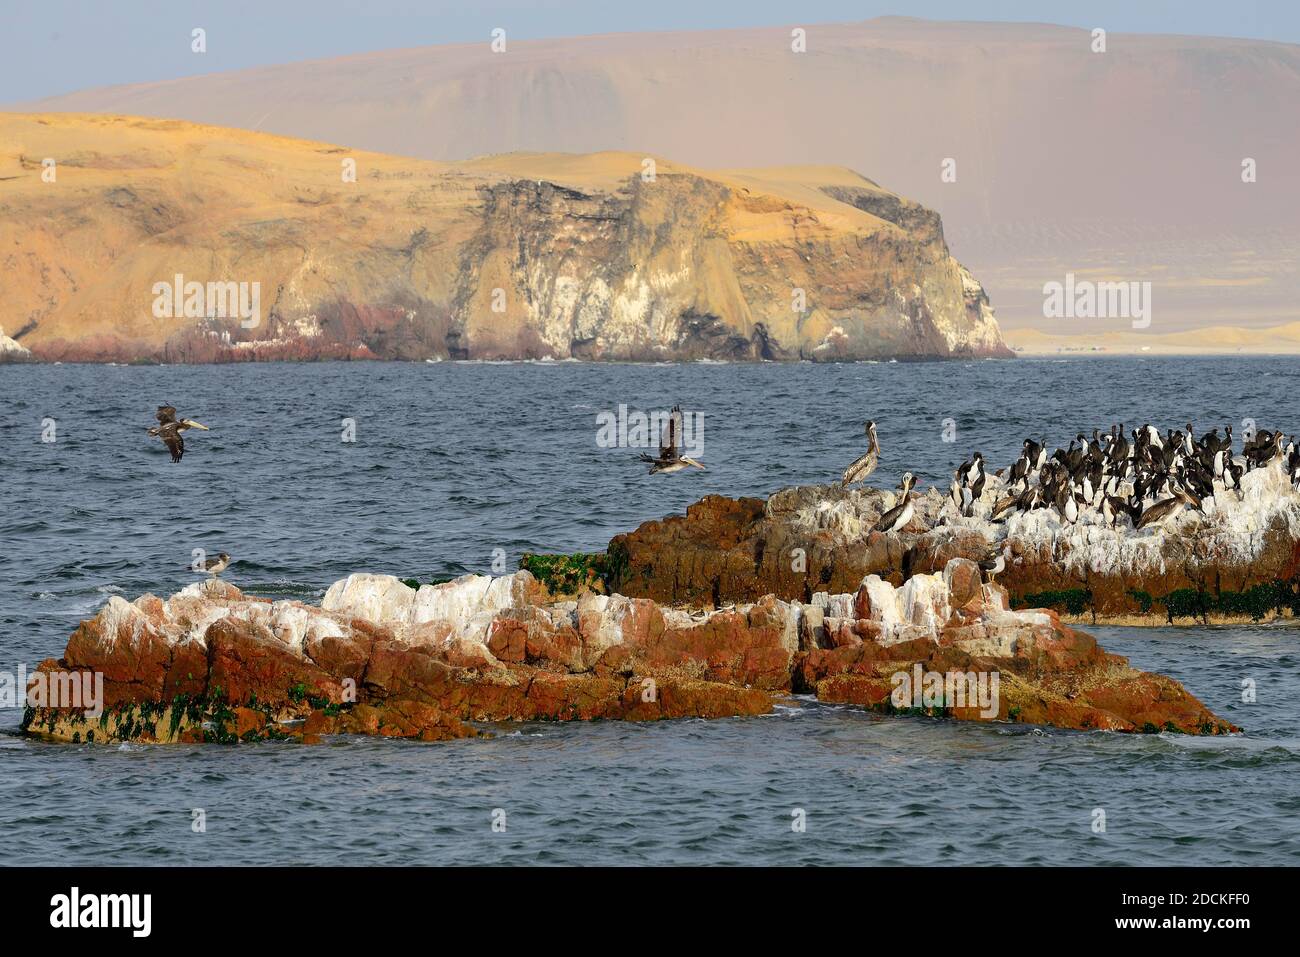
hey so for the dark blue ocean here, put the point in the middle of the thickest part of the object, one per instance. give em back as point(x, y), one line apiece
point(455, 460)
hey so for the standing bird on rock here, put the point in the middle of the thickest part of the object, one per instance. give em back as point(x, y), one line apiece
point(169, 429)
point(1162, 511)
point(670, 458)
point(213, 566)
point(968, 484)
point(994, 564)
point(864, 466)
point(896, 519)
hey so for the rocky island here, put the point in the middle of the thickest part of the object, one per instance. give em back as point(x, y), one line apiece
point(144, 240)
point(1239, 560)
point(378, 656)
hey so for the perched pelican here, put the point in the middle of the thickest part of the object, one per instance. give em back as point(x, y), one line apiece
point(896, 519)
point(213, 566)
point(1162, 511)
point(169, 429)
point(864, 466)
point(670, 458)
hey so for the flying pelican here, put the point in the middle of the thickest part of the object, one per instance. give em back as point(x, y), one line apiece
point(670, 458)
point(169, 429)
point(213, 566)
point(864, 466)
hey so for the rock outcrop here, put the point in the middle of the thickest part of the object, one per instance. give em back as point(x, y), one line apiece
point(1239, 560)
point(12, 351)
point(380, 657)
point(120, 235)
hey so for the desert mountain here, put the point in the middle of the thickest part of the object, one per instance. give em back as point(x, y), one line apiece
point(1123, 164)
point(165, 240)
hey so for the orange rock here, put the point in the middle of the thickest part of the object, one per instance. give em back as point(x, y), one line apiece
point(248, 721)
point(134, 663)
point(508, 639)
point(551, 644)
point(752, 647)
point(572, 697)
point(862, 602)
point(318, 722)
point(249, 664)
point(418, 719)
point(855, 689)
point(688, 698)
point(963, 579)
point(187, 674)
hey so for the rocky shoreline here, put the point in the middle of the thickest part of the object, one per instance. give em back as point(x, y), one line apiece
point(211, 664)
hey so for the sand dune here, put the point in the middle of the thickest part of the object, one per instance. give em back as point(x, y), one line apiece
point(1211, 340)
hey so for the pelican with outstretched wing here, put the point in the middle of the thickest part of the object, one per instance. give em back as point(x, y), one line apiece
point(169, 429)
point(670, 457)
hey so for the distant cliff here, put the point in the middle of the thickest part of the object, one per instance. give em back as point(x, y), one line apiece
point(127, 239)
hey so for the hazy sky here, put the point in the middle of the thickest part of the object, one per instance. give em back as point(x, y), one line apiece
point(56, 46)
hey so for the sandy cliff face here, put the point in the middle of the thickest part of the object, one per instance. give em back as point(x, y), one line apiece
point(517, 256)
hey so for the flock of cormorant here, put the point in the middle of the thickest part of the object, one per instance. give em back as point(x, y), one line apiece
point(1142, 476)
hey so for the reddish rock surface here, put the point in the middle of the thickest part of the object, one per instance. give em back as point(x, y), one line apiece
point(377, 657)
